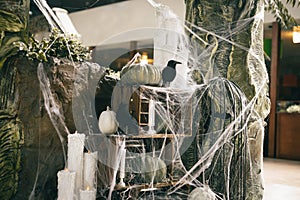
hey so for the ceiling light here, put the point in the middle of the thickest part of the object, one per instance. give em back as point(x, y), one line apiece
point(144, 59)
point(296, 34)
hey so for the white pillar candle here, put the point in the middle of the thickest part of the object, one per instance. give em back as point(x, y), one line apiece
point(66, 185)
point(89, 169)
point(151, 117)
point(151, 120)
point(88, 194)
point(75, 157)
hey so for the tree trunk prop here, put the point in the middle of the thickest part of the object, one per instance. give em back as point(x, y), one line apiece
point(14, 15)
point(234, 42)
point(32, 144)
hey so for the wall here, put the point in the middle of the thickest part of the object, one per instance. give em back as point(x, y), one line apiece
point(100, 24)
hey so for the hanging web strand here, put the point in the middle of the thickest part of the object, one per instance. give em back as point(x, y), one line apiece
point(51, 106)
point(50, 16)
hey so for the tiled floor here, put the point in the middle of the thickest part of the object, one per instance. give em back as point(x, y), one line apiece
point(282, 179)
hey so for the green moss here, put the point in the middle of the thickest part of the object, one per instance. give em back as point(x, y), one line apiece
point(13, 20)
point(57, 45)
point(10, 153)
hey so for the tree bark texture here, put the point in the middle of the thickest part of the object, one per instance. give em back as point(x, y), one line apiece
point(35, 151)
point(14, 15)
point(231, 25)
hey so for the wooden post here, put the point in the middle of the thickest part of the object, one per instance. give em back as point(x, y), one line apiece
point(273, 88)
point(133, 49)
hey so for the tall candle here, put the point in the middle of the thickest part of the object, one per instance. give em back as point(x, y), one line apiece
point(151, 117)
point(151, 120)
point(75, 157)
point(89, 169)
point(66, 185)
point(88, 194)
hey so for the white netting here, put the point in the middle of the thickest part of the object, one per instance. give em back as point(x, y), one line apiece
point(203, 133)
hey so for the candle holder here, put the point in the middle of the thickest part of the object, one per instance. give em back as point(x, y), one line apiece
point(121, 184)
point(151, 130)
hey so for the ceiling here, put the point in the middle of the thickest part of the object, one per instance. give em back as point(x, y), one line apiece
point(72, 5)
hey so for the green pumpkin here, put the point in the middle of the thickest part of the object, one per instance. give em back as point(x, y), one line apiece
point(147, 168)
point(155, 169)
point(143, 74)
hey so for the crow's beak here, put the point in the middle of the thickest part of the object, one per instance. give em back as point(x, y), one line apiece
point(178, 62)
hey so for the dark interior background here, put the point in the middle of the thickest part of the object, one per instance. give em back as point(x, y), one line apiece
point(72, 5)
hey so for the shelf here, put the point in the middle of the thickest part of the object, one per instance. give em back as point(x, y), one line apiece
point(145, 136)
point(143, 124)
point(148, 187)
point(166, 103)
point(144, 113)
point(144, 143)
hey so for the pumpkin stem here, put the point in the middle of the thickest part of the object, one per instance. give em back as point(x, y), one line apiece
point(136, 57)
point(107, 108)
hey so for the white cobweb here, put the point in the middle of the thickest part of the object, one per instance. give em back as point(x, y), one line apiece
point(198, 141)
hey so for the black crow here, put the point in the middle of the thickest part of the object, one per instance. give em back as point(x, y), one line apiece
point(169, 72)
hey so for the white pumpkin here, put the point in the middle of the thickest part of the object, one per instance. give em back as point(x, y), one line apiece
point(202, 193)
point(108, 123)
